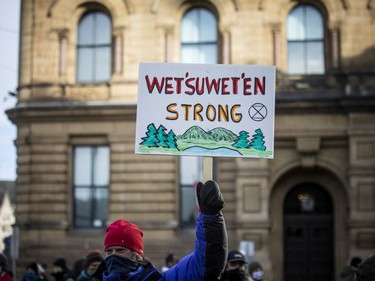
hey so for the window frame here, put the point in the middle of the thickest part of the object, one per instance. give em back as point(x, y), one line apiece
point(94, 48)
point(306, 41)
point(93, 188)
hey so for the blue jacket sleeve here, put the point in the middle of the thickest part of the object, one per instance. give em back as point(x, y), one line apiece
point(208, 260)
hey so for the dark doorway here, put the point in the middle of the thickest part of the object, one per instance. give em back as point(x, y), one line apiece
point(308, 234)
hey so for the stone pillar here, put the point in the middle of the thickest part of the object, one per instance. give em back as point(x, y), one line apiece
point(335, 47)
point(168, 56)
point(226, 47)
point(63, 48)
point(117, 51)
point(276, 44)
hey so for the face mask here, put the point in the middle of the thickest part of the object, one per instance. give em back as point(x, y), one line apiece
point(118, 264)
point(235, 275)
point(258, 275)
point(90, 271)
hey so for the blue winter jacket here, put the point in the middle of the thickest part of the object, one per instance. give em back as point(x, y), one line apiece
point(205, 263)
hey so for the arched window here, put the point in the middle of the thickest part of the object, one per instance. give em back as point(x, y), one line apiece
point(305, 35)
point(199, 44)
point(94, 48)
point(199, 36)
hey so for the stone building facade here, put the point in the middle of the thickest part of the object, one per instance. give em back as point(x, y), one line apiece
point(307, 211)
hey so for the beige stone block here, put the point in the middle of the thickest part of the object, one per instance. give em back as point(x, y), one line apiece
point(366, 240)
point(48, 167)
point(143, 167)
point(48, 178)
point(50, 158)
point(46, 208)
point(139, 217)
point(135, 207)
point(143, 177)
point(48, 148)
point(366, 197)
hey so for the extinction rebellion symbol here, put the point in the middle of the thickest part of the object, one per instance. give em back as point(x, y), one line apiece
point(258, 112)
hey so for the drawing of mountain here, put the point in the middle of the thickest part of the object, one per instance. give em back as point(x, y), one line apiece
point(222, 134)
point(196, 133)
point(216, 134)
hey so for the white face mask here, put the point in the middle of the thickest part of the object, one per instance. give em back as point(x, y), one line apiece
point(258, 275)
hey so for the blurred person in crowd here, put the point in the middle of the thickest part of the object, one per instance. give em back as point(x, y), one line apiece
point(77, 268)
point(35, 272)
point(235, 269)
point(365, 271)
point(5, 273)
point(91, 263)
point(256, 271)
point(60, 270)
point(347, 273)
point(170, 260)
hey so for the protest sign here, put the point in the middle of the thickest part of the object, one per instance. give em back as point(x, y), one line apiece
point(205, 110)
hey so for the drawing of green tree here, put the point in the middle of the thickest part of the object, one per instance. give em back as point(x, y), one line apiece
point(242, 141)
point(162, 136)
point(152, 139)
point(257, 141)
point(171, 140)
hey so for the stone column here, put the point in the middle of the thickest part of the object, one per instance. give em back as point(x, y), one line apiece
point(117, 50)
point(63, 49)
point(335, 47)
point(226, 47)
point(276, 44)
point(168, 37)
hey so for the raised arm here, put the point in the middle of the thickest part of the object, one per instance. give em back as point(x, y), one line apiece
point(208, 260)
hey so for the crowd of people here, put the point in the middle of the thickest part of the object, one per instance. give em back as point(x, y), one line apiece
point(124, 258)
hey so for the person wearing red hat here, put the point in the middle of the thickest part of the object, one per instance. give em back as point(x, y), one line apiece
point(124, 253)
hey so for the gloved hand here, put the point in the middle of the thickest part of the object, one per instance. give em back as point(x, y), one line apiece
point(210, 199)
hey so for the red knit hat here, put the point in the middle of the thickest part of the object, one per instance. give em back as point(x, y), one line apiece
point(124, 234)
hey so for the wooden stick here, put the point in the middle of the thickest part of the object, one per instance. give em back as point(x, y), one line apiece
point(207, 168)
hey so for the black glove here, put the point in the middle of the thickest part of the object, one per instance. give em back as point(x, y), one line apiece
point(210, 199)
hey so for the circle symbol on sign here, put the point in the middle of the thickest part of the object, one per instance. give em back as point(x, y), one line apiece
point(258, 112)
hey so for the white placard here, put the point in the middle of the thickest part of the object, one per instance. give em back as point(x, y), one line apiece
point(205, 110)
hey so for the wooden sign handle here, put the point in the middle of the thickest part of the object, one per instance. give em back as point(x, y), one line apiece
point(207, 168)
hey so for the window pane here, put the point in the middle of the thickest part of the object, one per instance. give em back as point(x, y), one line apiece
point(86, 30)
point(207, 26)
point(190, 170)
point(94, 48)
point(188, 203)
point(101, 207)
point(305, 41)
point(296, 58)
point(295, 24)
point(91, 196)
point(190, 54)
point(189, 27)
point(103, 29)
point(82, 169)
point(85, 64)
point(82, 206)
point(315, 58)
point(314, 23)
point(102, 64)
point(101, 166)
point(208, 54)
